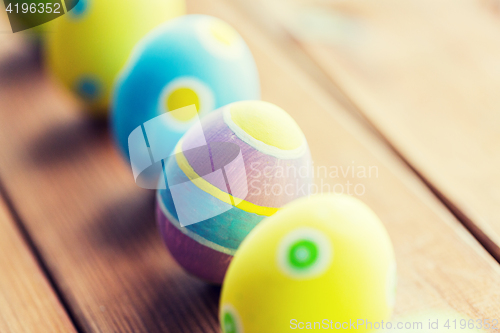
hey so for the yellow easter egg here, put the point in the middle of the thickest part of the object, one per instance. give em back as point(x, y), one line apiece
point(91, 43)
point(324, 262)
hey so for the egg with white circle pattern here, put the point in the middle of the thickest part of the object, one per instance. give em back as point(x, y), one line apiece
point(265, 160)
point(326, 259)
point(194, 59)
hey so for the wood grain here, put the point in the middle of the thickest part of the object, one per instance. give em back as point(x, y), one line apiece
point(426, 75)
point(95, 228)
point(27, 301)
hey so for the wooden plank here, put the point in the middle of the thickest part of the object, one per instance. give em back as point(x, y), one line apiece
point(92, 225)
point(96, 230)
point(426, 75)
point(27, 301)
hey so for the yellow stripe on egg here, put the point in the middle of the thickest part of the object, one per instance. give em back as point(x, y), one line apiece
point(204, 185)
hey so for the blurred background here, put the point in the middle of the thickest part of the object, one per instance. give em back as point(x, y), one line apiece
point(408, 87)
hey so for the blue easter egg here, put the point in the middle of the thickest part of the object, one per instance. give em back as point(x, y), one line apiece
point(194, 59)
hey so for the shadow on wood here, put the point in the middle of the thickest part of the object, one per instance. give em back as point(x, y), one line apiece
point(182, 301)
point(64, 140)
point(126, 221)
point(20, 64)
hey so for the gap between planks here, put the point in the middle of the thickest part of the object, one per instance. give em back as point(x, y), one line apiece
point(16, 219)
point(29, 300)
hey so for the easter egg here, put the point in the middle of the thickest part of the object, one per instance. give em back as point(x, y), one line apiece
point(89, 45)
point(192, 60)
point(251, 159)
point(326, 259)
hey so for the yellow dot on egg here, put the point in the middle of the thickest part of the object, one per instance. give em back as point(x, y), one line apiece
point(268, 123)
point(223, 32)
point(182, 97)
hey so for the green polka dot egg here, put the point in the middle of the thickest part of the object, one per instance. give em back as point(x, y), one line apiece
point(89, 45)
point(323, 257)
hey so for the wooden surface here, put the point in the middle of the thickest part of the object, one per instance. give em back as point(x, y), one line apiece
point(426, 74)
point(95, 230)
point(27, 301)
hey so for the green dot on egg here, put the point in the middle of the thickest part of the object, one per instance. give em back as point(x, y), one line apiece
point(303, 254)
point(229, 323)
